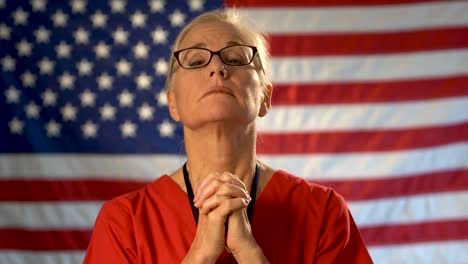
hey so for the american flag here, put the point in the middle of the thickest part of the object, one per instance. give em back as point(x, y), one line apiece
point(370, 98)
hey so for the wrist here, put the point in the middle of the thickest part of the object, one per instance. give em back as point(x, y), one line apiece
point(251, 254)
point(197, 255)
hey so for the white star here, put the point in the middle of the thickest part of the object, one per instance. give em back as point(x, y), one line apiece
point(87, 98)
point(177, 18)
point(159, 36)
point(66, 80)
point(143, 80)
point(85, 67)
point(46, 66)
point(89, 129)
point(5, 32)
point(145, 111)
point(32, 110)
point(125, 99)
point(59, 18)
point(63, 50)
point(8, 63)
point(81, 36)
point(117, 6)
point(24, 48)
point(68, 112)
point(20, 17)
point(53, 128)
point(42, 35)
point(138, 19)
point(196, 5)
point(161, 97)
point(160, 66)
point(28, 79)
point(105, 81)
point(107, 112)
point(49, 98)
point(99, 19)
point(16, 126)
point(166, 129)
point(102, 50)
point(120, 36)
point(140, 50)
point(12, 94)
point(128, 129)
point(38, 5)
point(123, 67)
point(157, 5)
point(78, 6)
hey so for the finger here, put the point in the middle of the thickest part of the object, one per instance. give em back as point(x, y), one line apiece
point(216, 200)
point(233, 179)
point(209, 178)
point(228, 206)
point(225, 189)
point(210, 185)
point(207, 190)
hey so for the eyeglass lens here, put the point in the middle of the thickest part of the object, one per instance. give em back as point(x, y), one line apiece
point(234, 56)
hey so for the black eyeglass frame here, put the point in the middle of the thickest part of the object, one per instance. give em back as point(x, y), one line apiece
point(254, 52)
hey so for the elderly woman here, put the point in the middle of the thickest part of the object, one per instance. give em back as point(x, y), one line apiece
point(224, 205)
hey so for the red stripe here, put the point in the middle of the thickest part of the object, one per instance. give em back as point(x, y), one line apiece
point(64, 190)
point(75, 190)
point(369, 92)
point(373, 236)
point(368, 43)
point(415, 233)
point(434, 182)
point(44, 239)
point(317, 3)
point(360, 141)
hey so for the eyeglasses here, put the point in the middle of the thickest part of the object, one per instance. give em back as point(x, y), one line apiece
point(236, 55)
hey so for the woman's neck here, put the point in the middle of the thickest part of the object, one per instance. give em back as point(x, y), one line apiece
point(220, 149)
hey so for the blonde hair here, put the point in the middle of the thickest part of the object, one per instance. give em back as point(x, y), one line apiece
point(245, 26)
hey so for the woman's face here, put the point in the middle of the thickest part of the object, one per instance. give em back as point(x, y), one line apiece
point(216, 92)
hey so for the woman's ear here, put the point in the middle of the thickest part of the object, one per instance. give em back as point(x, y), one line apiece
point(172, 104)
point(266, 102)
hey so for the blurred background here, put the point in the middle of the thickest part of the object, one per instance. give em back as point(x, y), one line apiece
point(370, 98)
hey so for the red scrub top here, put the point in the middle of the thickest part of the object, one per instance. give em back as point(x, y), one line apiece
point(294, 221)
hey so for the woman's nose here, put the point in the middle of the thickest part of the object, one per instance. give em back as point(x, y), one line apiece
point(217, 67)
point(221, 72)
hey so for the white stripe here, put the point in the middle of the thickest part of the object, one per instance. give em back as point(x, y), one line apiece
point(41, 257)
point(313, 166)
point(82, 166)
point(81, 215)
point(414, 65)
point(421, 253)
point(412, 209)
point(332, 117)
point(48, 215)
point(373, 165)
point(360, 18)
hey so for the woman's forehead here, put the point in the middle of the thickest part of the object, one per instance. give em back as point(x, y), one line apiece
point(202, 34)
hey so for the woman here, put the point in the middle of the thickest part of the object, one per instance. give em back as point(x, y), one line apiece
point(224, 205)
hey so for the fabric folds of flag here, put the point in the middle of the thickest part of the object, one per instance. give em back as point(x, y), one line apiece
point(370, 98)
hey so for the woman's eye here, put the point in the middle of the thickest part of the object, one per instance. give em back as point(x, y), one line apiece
point(235, 61)
point(195, 63)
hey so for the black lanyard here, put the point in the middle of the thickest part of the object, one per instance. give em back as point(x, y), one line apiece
point(253, 193)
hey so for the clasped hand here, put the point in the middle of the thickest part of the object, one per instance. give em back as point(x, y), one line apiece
point(222, 198)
